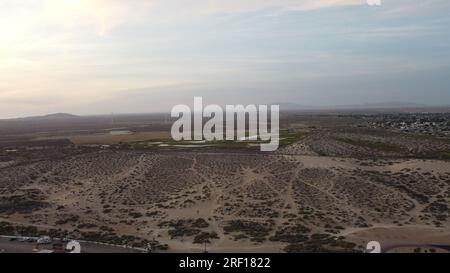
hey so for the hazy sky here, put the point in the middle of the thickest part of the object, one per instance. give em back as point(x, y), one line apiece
point(101, 56)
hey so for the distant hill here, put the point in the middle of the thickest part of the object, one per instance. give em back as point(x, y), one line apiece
point(383, 105)
point(53, 116)
point(288, 106)
point(60, 115)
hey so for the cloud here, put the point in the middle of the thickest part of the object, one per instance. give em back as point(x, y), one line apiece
point(168, 11)
point(232, 6)
point(104, 15)
point(74, 52)
point(413, 7)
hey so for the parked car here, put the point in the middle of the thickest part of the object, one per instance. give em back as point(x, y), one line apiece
point(44, 240)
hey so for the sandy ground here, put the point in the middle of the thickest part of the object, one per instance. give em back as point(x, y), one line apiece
point(107, 138)
point(250, 202)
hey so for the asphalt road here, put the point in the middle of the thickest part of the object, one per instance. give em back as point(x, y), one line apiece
point(8, 246)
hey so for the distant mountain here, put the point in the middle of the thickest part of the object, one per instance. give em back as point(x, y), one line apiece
point(382, 105)
point(53, 116)
point(289, 106)
point(60, 115)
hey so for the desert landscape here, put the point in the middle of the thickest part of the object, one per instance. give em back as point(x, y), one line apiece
point(338, 181)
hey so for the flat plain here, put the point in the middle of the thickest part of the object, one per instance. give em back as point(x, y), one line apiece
point(335, 185)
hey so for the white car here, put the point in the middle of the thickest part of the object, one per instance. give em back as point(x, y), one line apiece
point(44, 240)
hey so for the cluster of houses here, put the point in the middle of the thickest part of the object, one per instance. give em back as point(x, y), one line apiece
point(435, 124)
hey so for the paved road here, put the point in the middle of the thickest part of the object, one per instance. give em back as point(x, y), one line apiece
point(7, 246)
point(391, 247)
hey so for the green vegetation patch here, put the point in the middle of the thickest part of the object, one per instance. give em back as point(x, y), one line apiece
point(374, 145)
point(444, 155)
point(286, 138)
